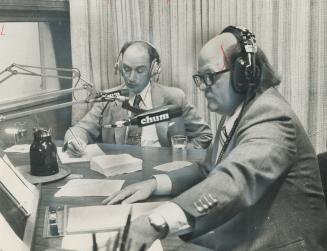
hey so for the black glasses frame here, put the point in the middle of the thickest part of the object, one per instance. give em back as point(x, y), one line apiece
point(207, 79)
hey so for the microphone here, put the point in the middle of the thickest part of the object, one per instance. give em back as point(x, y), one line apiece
point(107, 95)
point(113, 94)
point(106, 99)
point(150, 117)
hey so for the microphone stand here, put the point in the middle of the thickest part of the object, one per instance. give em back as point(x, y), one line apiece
point(42, 97)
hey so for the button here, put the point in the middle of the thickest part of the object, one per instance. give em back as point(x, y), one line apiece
point(203, 204)
point(209, 202)
point(200, 209)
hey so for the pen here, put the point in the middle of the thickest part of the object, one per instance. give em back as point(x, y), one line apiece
point(125, 231)
point(94, 241)
point(65, 146)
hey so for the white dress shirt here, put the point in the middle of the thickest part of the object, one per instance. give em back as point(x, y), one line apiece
point(171, 212)
point(149, 135)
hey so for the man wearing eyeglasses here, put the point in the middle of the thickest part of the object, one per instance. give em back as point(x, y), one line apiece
point(259, 187)
point(139, 65)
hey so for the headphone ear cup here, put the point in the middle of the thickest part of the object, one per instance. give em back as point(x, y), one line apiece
point(116, 68)
point(241, 78)
point(238, 79)
point(155, 70)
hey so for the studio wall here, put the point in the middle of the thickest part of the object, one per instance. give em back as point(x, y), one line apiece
point(291, 32)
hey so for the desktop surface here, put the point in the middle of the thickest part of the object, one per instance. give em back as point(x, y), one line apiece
point(151, 156)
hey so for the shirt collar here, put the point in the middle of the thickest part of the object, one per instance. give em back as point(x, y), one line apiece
point(144, 93)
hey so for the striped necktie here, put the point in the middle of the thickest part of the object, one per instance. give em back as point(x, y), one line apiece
point(135, 132)
point(222, 140)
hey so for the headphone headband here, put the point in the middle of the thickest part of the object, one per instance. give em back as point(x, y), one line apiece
point(245, 38)
point(245, 71)
point(155, 61)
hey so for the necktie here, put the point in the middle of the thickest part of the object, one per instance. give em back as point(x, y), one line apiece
point(135, 132)
point(223, 137)
point(222, 140)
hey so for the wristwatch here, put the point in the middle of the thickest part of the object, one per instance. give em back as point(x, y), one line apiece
point(159, 224)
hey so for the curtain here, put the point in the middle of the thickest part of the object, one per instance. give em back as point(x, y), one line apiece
point(291, 32)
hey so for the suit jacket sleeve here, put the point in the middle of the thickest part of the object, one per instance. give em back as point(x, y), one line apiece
point(88, 128)
point(265, 149)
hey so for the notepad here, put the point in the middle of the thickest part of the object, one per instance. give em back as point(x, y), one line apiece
point(110, 165)
point(83, 242)
point(171, 166)
point(90, 187)
point(91, 151)
point(104, 218)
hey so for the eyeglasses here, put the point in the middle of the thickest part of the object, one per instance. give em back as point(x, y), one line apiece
point(206, 80)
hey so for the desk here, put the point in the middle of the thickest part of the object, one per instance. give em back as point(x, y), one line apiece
point(151, 157)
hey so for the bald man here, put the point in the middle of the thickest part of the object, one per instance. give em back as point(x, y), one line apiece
point(259, 187)
point(139, 68)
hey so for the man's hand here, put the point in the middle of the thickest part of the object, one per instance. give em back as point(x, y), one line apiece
point(132, 193)
point(75, 148)
point(141, 233)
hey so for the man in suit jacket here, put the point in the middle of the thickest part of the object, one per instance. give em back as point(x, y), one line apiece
point(139, 65)
point(259, 187)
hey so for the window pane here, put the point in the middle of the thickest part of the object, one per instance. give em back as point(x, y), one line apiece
point(19, 43)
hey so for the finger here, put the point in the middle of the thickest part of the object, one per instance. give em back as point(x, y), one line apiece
point(134, 197)
point(72, 153)
point(78, 147)
point(106, 200)
point(136, 245)
point(121, 196)
point(74, 150)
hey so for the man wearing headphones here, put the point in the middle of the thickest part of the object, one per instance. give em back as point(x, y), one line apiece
point(259, 187)
point(139, 65)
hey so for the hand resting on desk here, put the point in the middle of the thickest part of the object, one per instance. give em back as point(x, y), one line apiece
point(132, 193)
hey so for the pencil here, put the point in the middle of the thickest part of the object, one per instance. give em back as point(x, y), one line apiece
point(116, 242)
point(94, 243)
point(125, 231)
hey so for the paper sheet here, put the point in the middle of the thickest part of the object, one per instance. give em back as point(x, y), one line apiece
point(8, 239)
point(115, 164)
point(24, 148)
point(171, 166)
point(91, 150)
point(90, 187)
point(83, 242)
point(104, 218)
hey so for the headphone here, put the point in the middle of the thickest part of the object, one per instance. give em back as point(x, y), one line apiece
point(245, 73)
point(155, 67)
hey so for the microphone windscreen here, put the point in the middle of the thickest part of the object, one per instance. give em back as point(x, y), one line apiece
point(124, 92)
